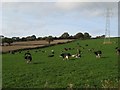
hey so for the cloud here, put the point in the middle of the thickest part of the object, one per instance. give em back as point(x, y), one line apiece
point(89, 8)
point(59, 0)
point(43, 9)
point(43, 18)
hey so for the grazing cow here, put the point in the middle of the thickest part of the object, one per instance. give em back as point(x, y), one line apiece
point(28, 57)
point(65, 49)
point(117, 50)
point(12, 52)
point(52, 51)
point(69, 48)
point(78, 51)
point(98, 54)
point(51, 55)
point(43, 51)
point(86, 45)
point(65, 56)
point(76, 55)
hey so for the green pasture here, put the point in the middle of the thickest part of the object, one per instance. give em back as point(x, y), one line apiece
point(54, 72)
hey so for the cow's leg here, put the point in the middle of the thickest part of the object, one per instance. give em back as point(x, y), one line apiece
point(98, 55)
point(27, 61)
point(67, 57)
point(118, 53)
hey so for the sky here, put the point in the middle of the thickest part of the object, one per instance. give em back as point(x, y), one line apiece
point(19, 19)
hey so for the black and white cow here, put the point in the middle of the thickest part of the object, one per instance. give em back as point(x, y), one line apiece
point(117, 50)
point(76, 56)
point(98, 54)
point(28, 57)
point(65, 56)
point(52, 51)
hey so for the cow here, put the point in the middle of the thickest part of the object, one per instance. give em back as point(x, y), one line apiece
point(76, 56)
point(117, 50)
point(12, 52)
point(43, 51)
point(86, 45)
point(65, 49)
point(52, 51)
point(65, 56)
point(69, 48)
point(28, 57)
point(98, 54)
point(51, 55)
point(78, 51)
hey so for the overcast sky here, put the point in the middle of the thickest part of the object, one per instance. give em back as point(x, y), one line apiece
point(55, 18)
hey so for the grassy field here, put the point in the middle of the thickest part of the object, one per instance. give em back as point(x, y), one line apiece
point(53, 72)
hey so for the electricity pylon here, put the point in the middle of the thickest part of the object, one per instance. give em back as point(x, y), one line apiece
point(107, 27)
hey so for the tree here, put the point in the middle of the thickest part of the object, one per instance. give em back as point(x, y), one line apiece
point(39, 38)
point(23, 39)
point(86, 35)
point(33, 37)
point(79, 36)
point(15, 38)
point(65, 35)
point(71, 37)
point(44, 38)
point(7, 40)
point(103, 36)
point(49, 39)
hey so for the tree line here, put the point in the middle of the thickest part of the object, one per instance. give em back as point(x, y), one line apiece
point(49, 39)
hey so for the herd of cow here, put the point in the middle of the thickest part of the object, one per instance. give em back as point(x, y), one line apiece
point(66, 55)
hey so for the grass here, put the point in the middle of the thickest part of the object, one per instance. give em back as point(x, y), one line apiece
point(53, 72)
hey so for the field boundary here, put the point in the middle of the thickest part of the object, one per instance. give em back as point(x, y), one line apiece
point(44, 46)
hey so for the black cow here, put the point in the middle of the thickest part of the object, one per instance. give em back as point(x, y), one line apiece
point(86, 45)
point(12, 52)
point(65, 49)
point(52, 55)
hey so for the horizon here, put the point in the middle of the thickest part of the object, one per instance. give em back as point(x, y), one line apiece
point(55, 36)
point(21, 19)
